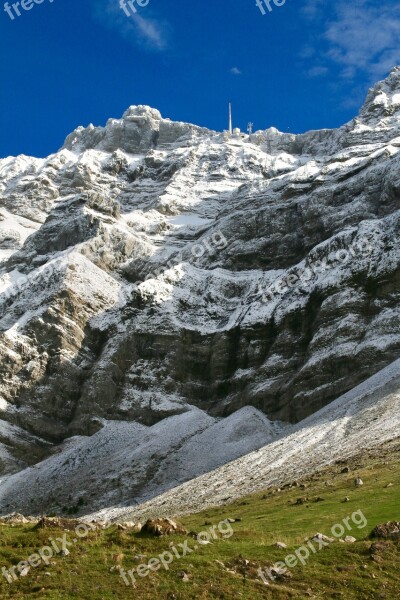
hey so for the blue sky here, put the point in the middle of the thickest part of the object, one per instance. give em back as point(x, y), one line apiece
point(305, 65)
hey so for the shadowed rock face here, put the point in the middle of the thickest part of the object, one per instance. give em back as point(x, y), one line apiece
point(272, 266)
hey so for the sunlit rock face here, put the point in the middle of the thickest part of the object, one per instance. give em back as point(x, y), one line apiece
point(152, 268)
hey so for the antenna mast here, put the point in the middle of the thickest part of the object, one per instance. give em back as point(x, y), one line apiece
point(230, 118)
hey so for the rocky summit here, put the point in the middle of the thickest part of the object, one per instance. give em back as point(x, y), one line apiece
point(173, 298)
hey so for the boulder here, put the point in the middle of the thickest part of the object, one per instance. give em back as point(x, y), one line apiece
point(163, 526)
point(321, 537)
point(280, 545)
point(390, 530)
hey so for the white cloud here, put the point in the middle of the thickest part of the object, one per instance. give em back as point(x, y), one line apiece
point(150, 31)
point(139, 27)
point(362, 35)
point(235, 71)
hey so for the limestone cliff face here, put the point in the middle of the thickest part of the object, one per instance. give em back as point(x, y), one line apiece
point(150, 266)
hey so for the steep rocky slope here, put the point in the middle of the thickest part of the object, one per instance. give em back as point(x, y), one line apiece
point(366, 418)
point(150, 267)
point(126, 460)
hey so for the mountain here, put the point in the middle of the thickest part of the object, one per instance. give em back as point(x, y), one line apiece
point(164, 286)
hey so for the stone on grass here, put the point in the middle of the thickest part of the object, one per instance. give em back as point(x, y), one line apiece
point(163, 526)
point(389, 530)
point(321, 537)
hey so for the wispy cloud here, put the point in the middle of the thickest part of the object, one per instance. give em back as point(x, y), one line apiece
point(358, 36)
point(235, 71)
point(142, 27)
point(150, 31)
point(317, 71)
point(311, 8)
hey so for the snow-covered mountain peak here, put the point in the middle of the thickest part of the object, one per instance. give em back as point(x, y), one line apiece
point(140, 129)
point(382, 106)
point(143, 111)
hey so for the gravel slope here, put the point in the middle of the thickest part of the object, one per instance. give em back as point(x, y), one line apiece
point(364, 418)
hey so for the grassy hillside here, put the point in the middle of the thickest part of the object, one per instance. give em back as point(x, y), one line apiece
point(227, 567)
